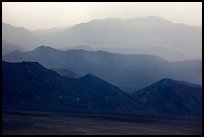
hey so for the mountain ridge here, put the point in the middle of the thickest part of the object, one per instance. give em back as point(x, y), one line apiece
point(40, 88)
point(118, 69)
point(138, 33)
point(169, 96)
point(37, 87)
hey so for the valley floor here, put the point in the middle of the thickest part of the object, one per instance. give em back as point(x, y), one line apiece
point(54, 123)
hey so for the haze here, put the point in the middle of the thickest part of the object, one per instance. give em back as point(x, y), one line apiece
point(44, 15)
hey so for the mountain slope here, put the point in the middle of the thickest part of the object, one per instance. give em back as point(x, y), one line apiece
point(129, 72)
point(170, 97)
point(29, 85)
point(19, 36)
point(66, 73)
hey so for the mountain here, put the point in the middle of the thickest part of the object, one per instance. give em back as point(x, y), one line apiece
point(29, 85)
point(50, 31)
point(66, 73)
point(161, 51)
point(8, 47)
point(142, 35)
point(171, 97)
point(128, 72)
point(144, 32)
point(19, 36)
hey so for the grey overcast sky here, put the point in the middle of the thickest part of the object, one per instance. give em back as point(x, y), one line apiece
point(43, 15)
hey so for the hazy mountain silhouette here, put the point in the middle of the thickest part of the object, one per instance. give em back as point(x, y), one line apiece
point(132, 33)
point(170, 97)
point(145, 35)
point(51, 30)
point(29, 85)
point(19, 36)
point(8, 47)
point(129, 72)
point(161, 51)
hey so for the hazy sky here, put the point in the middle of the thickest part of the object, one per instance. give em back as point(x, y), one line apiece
point(43, 15)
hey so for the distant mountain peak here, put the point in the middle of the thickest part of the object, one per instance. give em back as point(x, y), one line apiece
point(152, 19)
point(169, 82)
point(106, 19)
point(9, 26)
point(44, 48)
point(166, 80)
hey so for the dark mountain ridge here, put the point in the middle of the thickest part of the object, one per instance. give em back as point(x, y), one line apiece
point(30, 85)
point(129, 72)
point(172, 97)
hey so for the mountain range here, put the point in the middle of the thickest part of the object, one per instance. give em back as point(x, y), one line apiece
point(145, 65)
point(143, 35)
point(128, 72)
point(29, 85)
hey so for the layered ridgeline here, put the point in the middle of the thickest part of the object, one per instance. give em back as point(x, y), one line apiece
point(8, 47)
point(28, 85)
point(170, 97)
point(18, 36)
point(128, 72)
point(144, 35)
